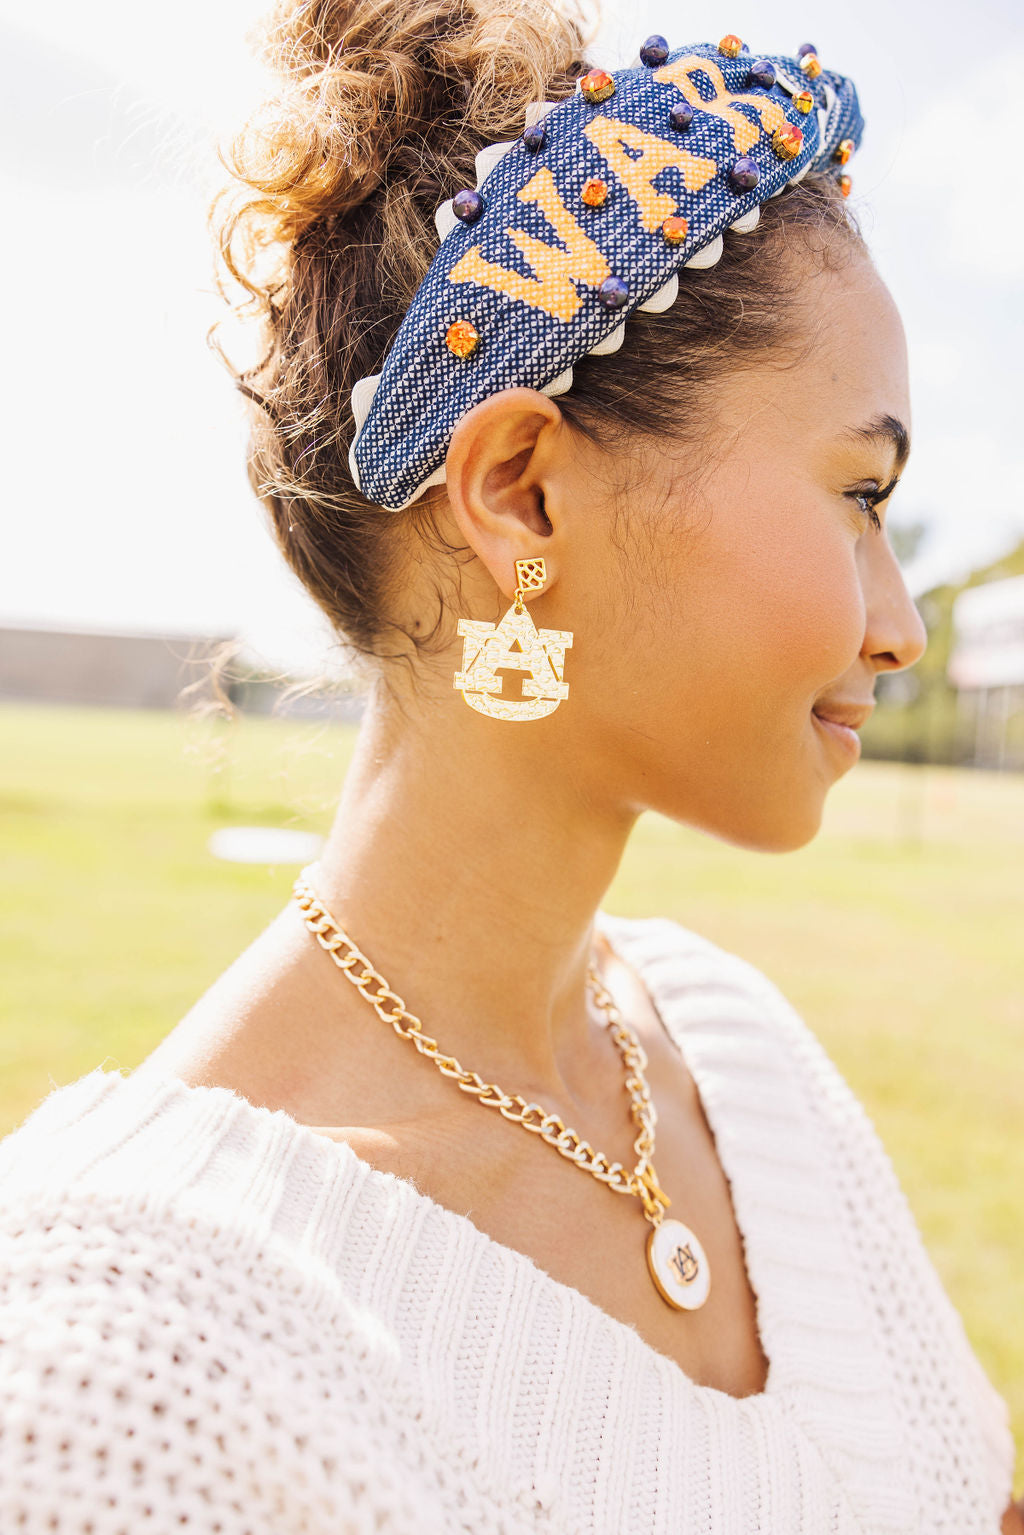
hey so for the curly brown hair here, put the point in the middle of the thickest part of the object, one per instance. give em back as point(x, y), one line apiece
point(328, 230)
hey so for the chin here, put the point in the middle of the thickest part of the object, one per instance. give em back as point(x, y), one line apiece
point(791, 840)
point(785, 833)
point(779, 814)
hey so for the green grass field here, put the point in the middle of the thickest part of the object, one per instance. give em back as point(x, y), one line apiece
point(896, 933)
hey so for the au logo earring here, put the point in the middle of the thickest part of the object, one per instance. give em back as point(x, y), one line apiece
point(516, 644)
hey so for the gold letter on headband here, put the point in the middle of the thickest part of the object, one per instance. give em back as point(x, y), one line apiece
point(609, 135)
point(488, 649)
point(553, 290)
point(725, 103)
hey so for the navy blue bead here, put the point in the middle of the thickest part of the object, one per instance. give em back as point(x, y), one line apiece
point(533, 136)
point(762, 73)
point(805, 48)
point(613, 292)
point(744, 174)
point(654, 51)
point(467, 205)
point(681, 116)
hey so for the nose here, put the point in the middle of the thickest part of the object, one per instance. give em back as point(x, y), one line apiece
point(895, 636)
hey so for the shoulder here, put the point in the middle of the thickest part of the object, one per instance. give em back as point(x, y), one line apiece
point(148, 1380)
point(171, 1354)
point(181, 1211)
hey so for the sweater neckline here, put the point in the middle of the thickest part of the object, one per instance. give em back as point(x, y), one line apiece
point(829, 1381)
point(626, 938)
point(640, 944)
point(651, 948)
point(431, 1298)
point(811, 1310)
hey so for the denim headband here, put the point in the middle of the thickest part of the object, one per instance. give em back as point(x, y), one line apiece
point(585, 217)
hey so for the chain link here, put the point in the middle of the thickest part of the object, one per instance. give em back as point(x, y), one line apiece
point(390, 1008)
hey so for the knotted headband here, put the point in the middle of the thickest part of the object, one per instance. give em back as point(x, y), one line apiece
point(584, 218)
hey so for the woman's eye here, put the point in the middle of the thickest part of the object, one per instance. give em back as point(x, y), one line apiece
point(866, 500)
point(867, 506)
point(870, 499)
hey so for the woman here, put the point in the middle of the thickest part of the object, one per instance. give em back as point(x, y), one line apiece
point(286, 1276)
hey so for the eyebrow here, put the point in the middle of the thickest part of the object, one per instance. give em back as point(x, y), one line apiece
point(887, 429)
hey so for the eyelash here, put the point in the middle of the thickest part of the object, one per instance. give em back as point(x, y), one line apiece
point(868, 500)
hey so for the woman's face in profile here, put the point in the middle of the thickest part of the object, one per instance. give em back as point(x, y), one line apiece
point(763, 590)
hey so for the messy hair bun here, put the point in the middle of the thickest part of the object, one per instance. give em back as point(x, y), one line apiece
point(392, 95)
point(329, 230)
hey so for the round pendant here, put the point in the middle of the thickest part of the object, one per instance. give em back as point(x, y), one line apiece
point(678, 1265)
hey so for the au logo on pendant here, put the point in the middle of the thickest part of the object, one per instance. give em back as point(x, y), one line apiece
point(678, 1265)
point(516, 644)
point(685, 1264)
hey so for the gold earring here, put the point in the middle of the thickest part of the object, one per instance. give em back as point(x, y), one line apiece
point(516, 644)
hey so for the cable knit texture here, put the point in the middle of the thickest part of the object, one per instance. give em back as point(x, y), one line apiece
point(215, 1320)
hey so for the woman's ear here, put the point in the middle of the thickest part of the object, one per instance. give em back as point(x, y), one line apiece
point(500, 456)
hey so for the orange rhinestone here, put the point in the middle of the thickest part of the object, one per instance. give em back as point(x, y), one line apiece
point(731, 45)
point(462, 337)
point(787, 141)
point(845, 184)
point(597, 85)
point(844, 151)
point(594, 192)
point(811, 65)
point(674, 229)
point(803, 101)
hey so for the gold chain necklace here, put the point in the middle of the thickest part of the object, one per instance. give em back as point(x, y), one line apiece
point(675, 1258)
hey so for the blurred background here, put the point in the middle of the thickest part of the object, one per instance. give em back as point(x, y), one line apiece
point(144, 844)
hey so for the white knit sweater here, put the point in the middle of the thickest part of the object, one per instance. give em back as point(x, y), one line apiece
point(217, 1321)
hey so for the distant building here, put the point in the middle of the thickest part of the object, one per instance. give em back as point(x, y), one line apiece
point(139, 671)
point(83, 666)
point(986, 665)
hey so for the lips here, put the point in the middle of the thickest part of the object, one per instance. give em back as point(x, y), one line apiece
point(844, 712)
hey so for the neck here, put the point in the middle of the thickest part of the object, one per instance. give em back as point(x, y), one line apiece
point(467, 866)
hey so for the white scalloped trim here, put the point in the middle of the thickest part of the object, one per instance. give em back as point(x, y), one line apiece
point(663, 297)
point(438, 477)
point(488, 157)
point(708, 256)
point(748, 222)
point(445, 219)
point(535, 110)
point(363, 391)
point(353, 466)
point(609, 343)
point(789, 82)
point(559, 384)
point(824, 116)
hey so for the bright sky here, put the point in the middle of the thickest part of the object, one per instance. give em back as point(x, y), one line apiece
point(125, 500)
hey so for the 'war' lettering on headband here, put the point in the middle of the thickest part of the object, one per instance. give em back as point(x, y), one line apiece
point(718, 128)
point(552, 290)
point(724, 103)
